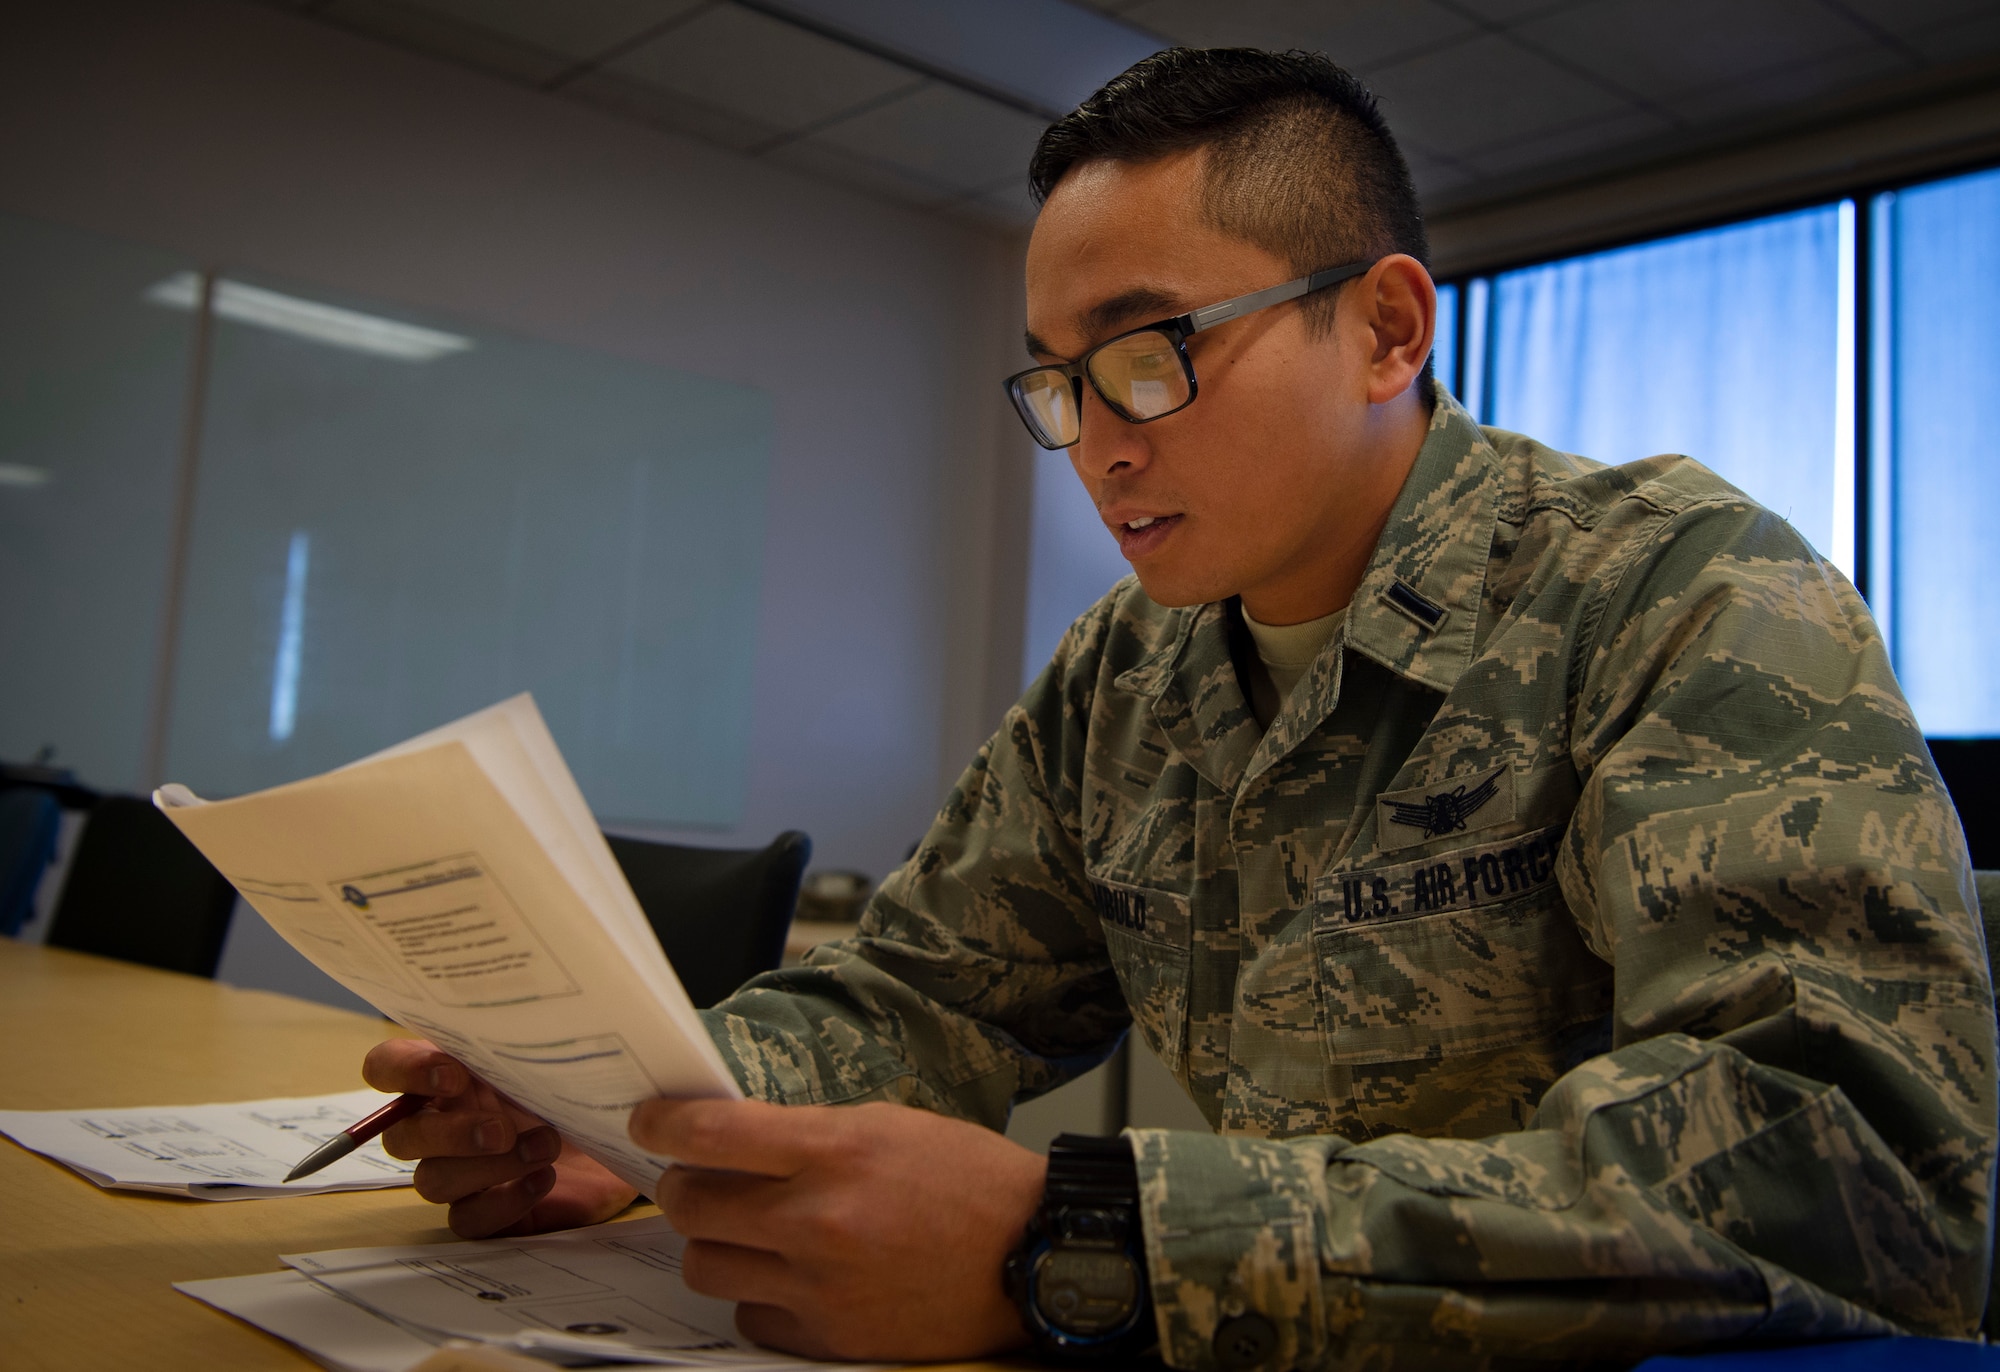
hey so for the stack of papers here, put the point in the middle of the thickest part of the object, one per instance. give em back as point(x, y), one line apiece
point(610, 1293)
point(212, 1152)
point(458, 883)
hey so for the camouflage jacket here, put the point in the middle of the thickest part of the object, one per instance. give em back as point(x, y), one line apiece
point(1581, 965)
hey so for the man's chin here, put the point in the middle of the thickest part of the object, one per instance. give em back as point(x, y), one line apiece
point(1164, 588)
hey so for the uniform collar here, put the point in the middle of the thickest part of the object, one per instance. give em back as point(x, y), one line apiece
point(1416, 612)
point(1417, 609)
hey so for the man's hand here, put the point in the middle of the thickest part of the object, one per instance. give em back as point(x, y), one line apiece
point(500, 1169)
point(870, 1231)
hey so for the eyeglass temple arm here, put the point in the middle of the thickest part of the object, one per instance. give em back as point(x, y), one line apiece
point(1210, 315)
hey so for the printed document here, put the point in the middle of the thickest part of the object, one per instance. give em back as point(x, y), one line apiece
point(212, 1152)
point(458, 883)
point(612, 1293)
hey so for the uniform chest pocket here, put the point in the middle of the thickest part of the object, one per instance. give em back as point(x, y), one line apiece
point(1457, 953)
point(1148, 935)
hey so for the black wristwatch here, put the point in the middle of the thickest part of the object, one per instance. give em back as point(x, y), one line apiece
point(1079, 1276)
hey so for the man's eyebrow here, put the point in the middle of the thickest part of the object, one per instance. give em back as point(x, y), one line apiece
point(1140, 304)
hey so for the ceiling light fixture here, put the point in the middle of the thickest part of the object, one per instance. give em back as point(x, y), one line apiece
point(26, 478)
point(329, 324)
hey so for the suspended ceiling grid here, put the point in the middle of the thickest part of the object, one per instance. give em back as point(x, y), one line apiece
point(938, 103)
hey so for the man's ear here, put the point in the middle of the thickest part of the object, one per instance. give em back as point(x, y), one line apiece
point(1399, 304)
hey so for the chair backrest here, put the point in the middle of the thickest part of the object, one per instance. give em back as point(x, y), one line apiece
point(721, 914)
point(29, 821)
point(139, 891)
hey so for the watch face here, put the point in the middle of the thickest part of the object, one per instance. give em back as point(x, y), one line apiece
point(1086, 1291)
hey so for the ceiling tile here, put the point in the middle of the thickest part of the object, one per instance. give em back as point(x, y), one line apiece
point(1553, 149)
point(1434, 176)
point(1908, 18)
point(1975, 35)
point(859, 172)
point(1119, 7)
point(576, 29)
point(1047, 55)
point(1771, 90)
point(1485, 93)
point(442, 36)
point(1514, 11)
point(1662, 52)
point(765, 71)
point(521, 39)
point(943, 135)
point(657, 105)
point(1355, 33)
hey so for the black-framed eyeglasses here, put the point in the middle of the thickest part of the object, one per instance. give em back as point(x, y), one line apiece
point(1144, 374)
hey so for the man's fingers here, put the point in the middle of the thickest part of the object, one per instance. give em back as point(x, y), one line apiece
point(739, 1135)
point(584, 1193)
point(773, 1326)
point(445, 1180)
point(412, 1065)
point(737, 1206)
point(731, 1272)
point(500, 1208)
point(450, 1134)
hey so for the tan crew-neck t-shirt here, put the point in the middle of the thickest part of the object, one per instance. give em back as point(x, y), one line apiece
point(1285, 651)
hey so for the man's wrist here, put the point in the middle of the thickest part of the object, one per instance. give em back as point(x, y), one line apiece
point(1078, 1278)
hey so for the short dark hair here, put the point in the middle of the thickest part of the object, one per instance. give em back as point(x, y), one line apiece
point(1300, 161)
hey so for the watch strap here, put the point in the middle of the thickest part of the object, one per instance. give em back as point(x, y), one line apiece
point(1087, 1170)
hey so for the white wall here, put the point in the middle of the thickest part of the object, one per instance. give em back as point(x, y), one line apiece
point(888, 637)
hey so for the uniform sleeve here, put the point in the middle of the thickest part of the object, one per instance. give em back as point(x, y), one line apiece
point(978, 976)
point(1793, 1135)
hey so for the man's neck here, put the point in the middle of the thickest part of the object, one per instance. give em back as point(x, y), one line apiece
point(1325, 579)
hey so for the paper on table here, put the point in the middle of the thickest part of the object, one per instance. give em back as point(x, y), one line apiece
point(458, 883)
point(334, 1332)
point(608, 1293)
point(611, 1286)
point(238, 1151)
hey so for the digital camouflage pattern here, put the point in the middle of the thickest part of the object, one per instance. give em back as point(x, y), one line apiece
point(1583, 964)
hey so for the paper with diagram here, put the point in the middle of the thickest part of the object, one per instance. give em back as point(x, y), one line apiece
point(238, 1151)
point(458, 883)
point(612, 1292)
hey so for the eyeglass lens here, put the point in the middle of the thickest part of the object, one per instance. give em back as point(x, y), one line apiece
point(1139, 375)
point(1047, 401)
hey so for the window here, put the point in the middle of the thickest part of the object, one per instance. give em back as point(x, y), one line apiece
point(1833, 362)
point(1936, 375)
point(1725, 345)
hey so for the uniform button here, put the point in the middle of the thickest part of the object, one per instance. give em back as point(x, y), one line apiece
point(1245, 1341)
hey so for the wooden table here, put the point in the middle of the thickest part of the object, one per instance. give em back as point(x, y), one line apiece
point(85, 1274)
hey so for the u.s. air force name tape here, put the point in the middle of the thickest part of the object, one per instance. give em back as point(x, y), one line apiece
point(1465, 879)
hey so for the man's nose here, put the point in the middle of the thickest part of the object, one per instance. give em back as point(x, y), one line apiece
point(1110, 445)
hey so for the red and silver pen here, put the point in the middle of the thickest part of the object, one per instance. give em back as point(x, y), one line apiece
point(356, 1134)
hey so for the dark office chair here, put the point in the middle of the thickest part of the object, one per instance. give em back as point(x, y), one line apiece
point(139, 891)
point(721, 914)
point(29, 820)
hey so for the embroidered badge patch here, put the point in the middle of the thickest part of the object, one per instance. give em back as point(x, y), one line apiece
point(1418, 815)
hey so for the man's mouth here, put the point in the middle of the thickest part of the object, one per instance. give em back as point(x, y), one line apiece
point(1139, 537)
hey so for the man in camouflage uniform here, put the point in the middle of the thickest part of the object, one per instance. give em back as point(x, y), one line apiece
point(1578, 964)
